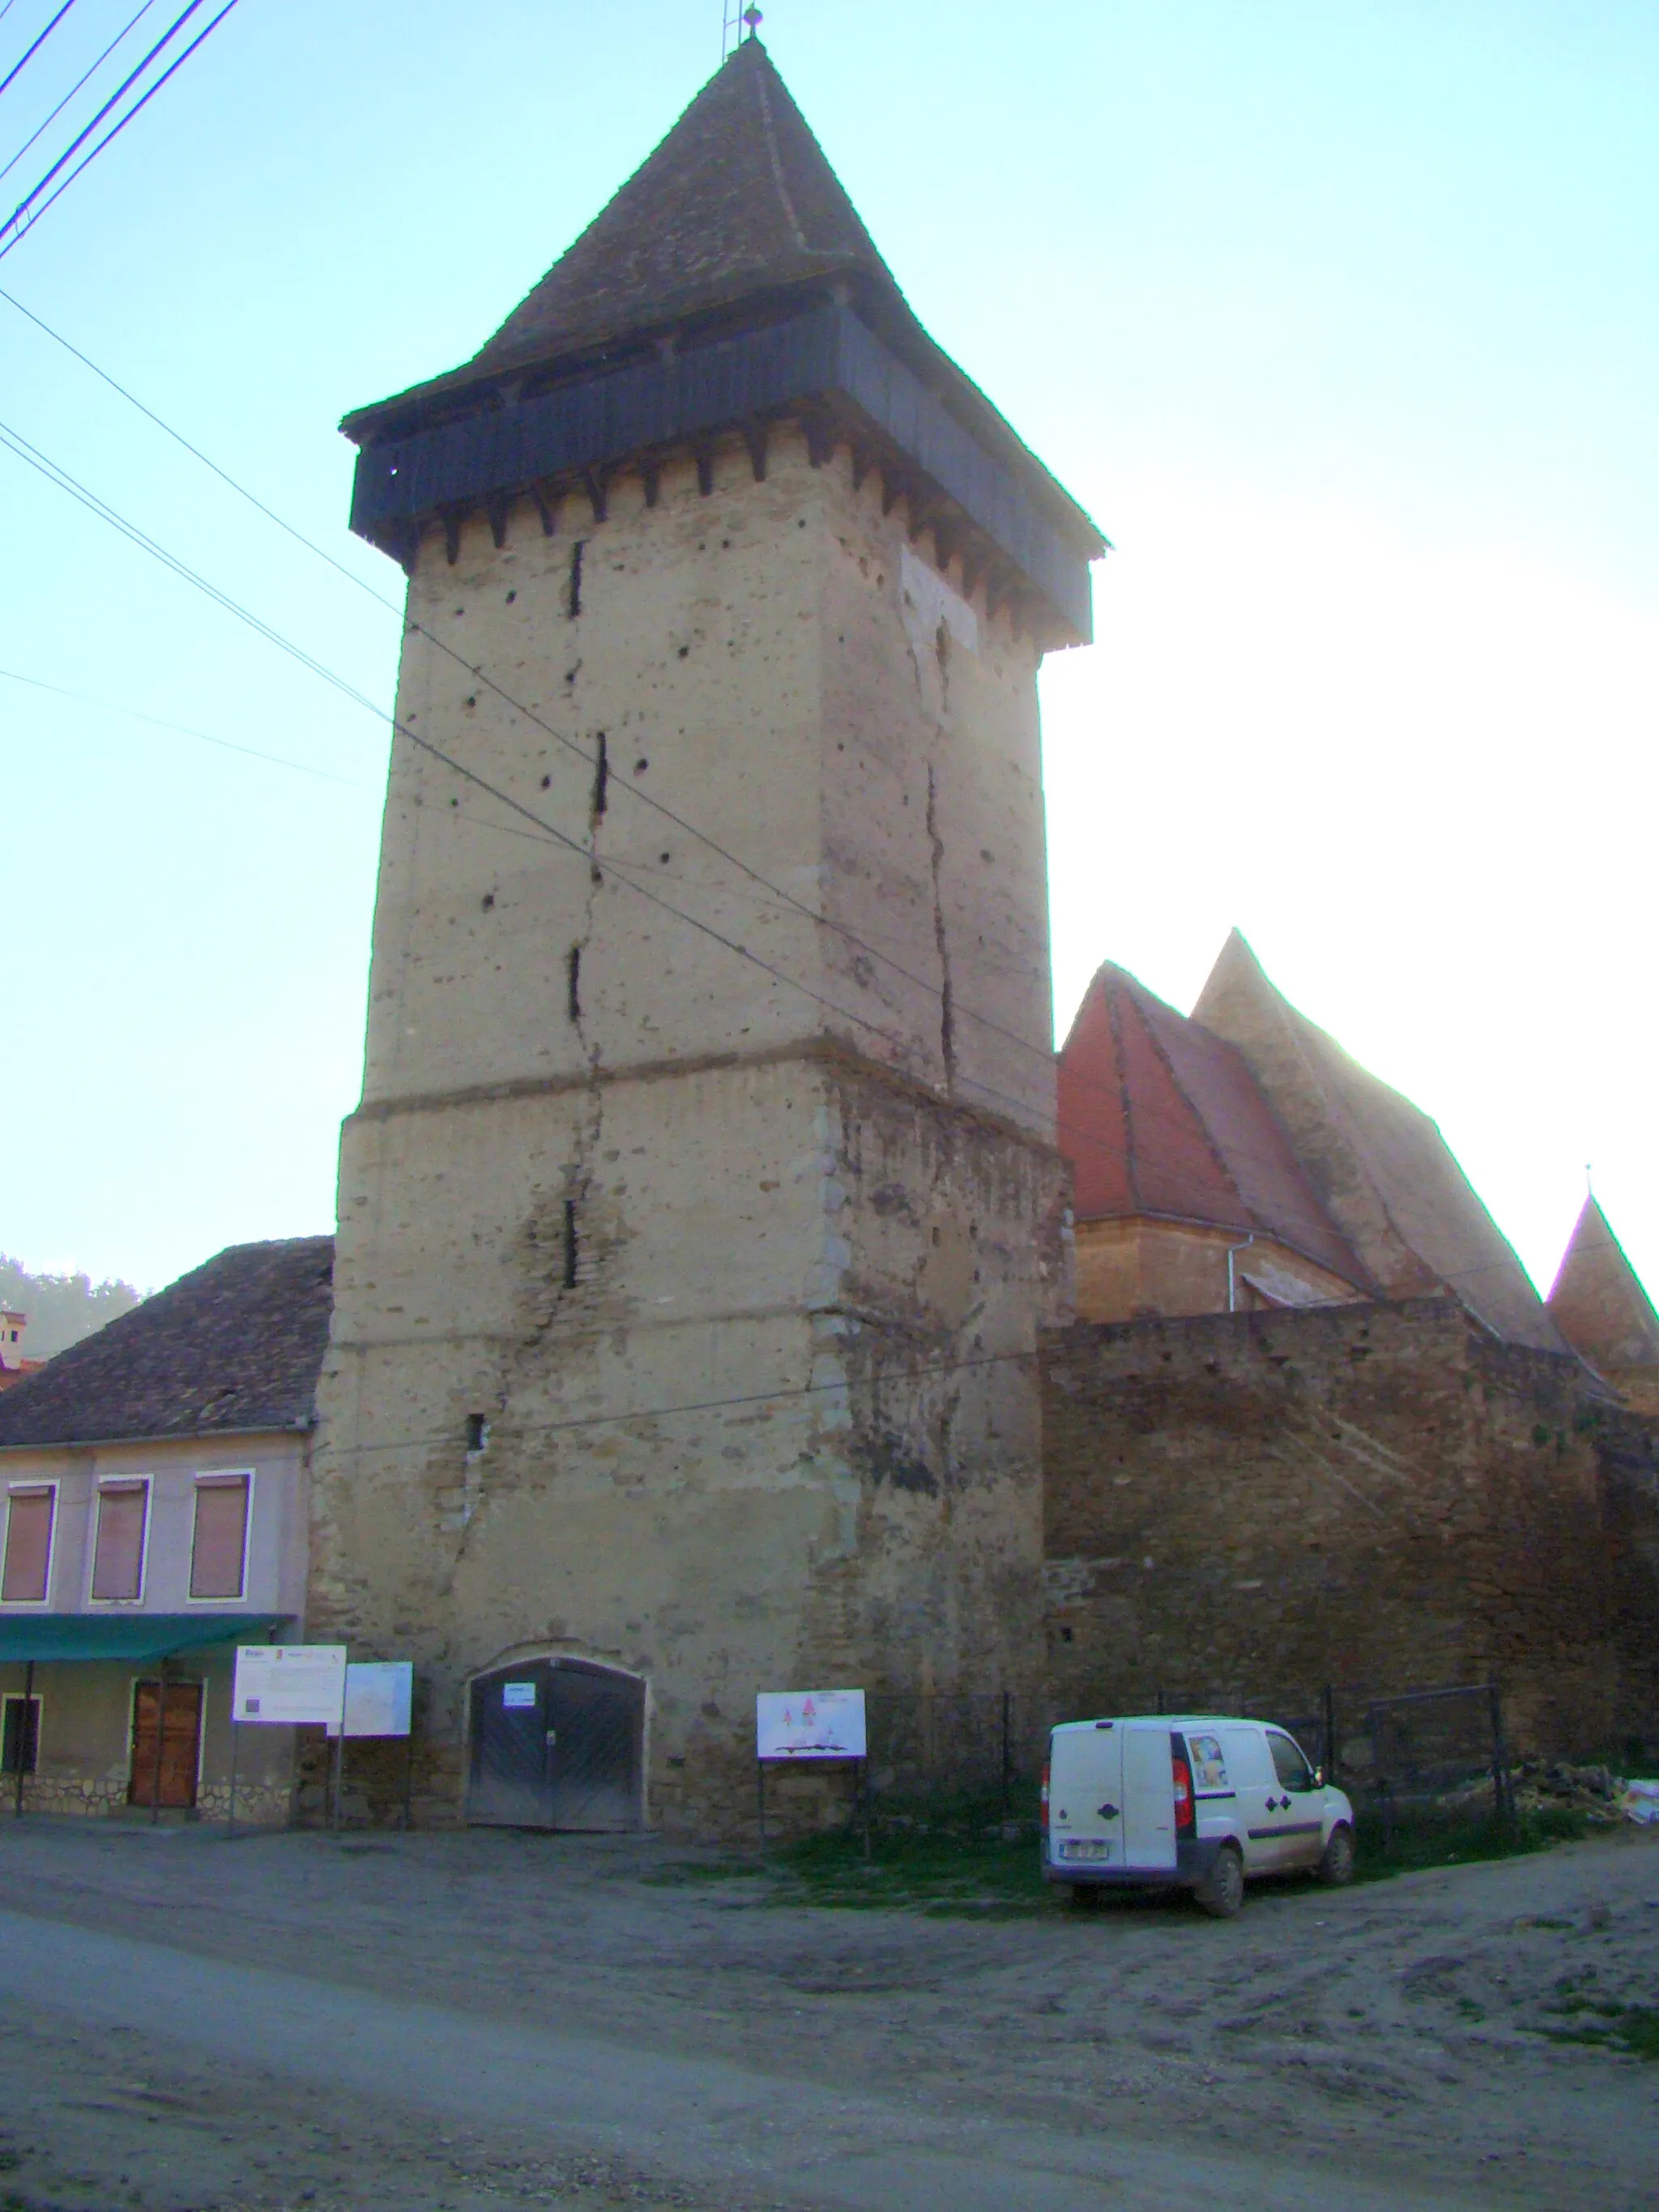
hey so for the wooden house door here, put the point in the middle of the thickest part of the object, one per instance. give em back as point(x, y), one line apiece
point(181, 1733)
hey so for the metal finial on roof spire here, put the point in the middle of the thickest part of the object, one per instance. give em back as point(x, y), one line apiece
point(737, 23)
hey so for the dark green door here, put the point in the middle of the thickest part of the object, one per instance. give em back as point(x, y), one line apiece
point(557, 1743)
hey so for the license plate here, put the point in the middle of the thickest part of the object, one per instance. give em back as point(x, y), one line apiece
point(1077, 1847)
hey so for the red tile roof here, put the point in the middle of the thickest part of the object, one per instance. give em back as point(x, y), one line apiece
point(1159, 1117)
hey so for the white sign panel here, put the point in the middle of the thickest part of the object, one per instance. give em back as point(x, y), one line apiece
point(379, 1693)
point(289, 1685)
point(809, 1724)
point(515, 1694)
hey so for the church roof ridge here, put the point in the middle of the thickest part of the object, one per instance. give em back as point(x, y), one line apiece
point(1161, 1117)
point(1379, 1161)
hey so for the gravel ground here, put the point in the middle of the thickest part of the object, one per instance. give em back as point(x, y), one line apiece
point(1405, 2038)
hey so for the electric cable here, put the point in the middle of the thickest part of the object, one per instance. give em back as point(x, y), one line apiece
point(159, 722)
point(708, 1405)
point(20, 446)
point(95, 505)
point(42, 128)
point(111, 136)
point(16, 70)
point(76, 143)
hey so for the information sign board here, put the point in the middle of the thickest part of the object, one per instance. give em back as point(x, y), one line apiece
point(288, 1685)
point(378, 1694)
point(796, 1724)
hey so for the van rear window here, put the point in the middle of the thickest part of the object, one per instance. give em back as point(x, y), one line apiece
point(1209, 1767)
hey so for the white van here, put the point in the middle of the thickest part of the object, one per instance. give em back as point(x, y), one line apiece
point(1188, 1801)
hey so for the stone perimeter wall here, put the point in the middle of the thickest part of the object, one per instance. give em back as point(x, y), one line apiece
point(1252, 1505)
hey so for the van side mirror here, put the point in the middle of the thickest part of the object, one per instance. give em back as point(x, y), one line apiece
point(1319, 1778)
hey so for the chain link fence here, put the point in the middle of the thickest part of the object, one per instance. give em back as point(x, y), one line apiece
point(1390, 1750)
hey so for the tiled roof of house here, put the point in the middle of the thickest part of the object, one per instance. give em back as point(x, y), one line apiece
point(236, 1344)
point(1597, 1300)
point(1158, 1117)
point(1378, 1165)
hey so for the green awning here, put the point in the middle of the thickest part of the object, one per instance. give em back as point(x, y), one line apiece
point(50, 1639)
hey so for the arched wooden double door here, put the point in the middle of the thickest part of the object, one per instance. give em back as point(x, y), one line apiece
point(557, 1743)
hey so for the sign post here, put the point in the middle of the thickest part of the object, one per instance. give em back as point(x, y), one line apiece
point(290, 1685)
point(807, 1727)
point(380, 1699)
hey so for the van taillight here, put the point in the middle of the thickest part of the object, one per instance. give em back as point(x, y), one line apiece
point(1045, 1793)
point(1186, 1812)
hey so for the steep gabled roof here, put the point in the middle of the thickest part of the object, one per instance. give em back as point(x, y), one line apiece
point(1158, 1117)
point(1597, 1301)
point(236, 1344)
point(1378, 1164)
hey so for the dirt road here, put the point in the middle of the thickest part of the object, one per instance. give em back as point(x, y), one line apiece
point(489, 2019)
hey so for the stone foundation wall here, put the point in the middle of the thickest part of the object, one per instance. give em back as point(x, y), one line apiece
point(1252, 1505)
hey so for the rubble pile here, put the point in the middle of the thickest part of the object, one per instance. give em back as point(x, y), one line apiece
point(1547, 1785)
point(1550, 1785)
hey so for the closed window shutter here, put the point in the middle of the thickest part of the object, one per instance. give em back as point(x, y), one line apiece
point(215, 1559)
point(29, 1545)
point(118, 1563)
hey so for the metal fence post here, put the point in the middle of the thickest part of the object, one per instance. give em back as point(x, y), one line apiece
point(160, 1739)
point(25, 1716)
point(1007, 1751)
point(1502, 1797)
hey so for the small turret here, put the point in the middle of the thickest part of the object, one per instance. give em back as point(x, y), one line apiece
point(1598, 1303)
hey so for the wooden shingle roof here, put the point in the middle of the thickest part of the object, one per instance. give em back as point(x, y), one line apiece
point(237, 1343)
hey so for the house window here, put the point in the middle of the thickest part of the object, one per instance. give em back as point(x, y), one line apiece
point(20, 1738)
point(117, 1559)
point(218, 1556)
point(30, 1510)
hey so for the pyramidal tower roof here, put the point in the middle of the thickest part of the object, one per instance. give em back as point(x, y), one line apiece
point(1379, 1163)
point(1598, 1303)
point(730, 283)
point(738, 196)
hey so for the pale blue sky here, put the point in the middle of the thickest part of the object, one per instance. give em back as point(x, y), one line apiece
point(1341, 320)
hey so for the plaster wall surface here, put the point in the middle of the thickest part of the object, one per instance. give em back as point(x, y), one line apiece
point(741, 1259)
point(86, 1707)
point(276, 1535)
point(1379, 1497)
point(1135, 1269)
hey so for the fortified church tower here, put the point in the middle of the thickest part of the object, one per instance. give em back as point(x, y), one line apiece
point(702, 1206)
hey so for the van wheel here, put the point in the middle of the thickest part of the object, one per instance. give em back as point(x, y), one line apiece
point(1336, 1867)
point(1221, 1892)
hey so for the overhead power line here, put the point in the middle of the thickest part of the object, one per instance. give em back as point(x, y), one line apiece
point(16, 70)
point(36, 459)
point(477, 672)
point(183, 730)
point(41, 129)
point(113, 133)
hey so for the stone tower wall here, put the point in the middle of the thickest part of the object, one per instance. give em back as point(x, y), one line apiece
point(783, 1428)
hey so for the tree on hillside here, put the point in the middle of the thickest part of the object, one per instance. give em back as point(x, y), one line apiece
point(61, 1309)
